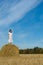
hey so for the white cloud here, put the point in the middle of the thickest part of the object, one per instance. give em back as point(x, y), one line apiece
point(18, 11)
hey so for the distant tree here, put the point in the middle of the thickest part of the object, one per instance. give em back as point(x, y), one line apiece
point(35, 50)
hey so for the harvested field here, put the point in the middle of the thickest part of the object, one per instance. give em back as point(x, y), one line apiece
point(23, 59)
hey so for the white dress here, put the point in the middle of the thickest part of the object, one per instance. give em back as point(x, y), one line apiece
point(10, 40)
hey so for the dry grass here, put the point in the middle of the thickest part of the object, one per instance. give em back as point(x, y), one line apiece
point(9, 50)
point(30, 59)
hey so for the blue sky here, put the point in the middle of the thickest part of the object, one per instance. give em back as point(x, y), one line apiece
point(25, 18)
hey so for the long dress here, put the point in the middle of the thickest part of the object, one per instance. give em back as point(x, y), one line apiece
point(10, 40)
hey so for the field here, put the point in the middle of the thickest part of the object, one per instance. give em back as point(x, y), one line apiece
point(23, 59)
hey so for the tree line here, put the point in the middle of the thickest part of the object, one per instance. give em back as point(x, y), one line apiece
point(35, 50)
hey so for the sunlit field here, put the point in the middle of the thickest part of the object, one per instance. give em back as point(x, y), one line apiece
point(23, 59)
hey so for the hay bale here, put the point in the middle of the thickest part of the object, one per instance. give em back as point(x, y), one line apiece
point(9, 50)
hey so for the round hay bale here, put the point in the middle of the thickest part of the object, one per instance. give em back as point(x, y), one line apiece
point(9, 50)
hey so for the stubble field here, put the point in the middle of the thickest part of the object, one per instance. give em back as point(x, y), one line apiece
point(23, 59)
